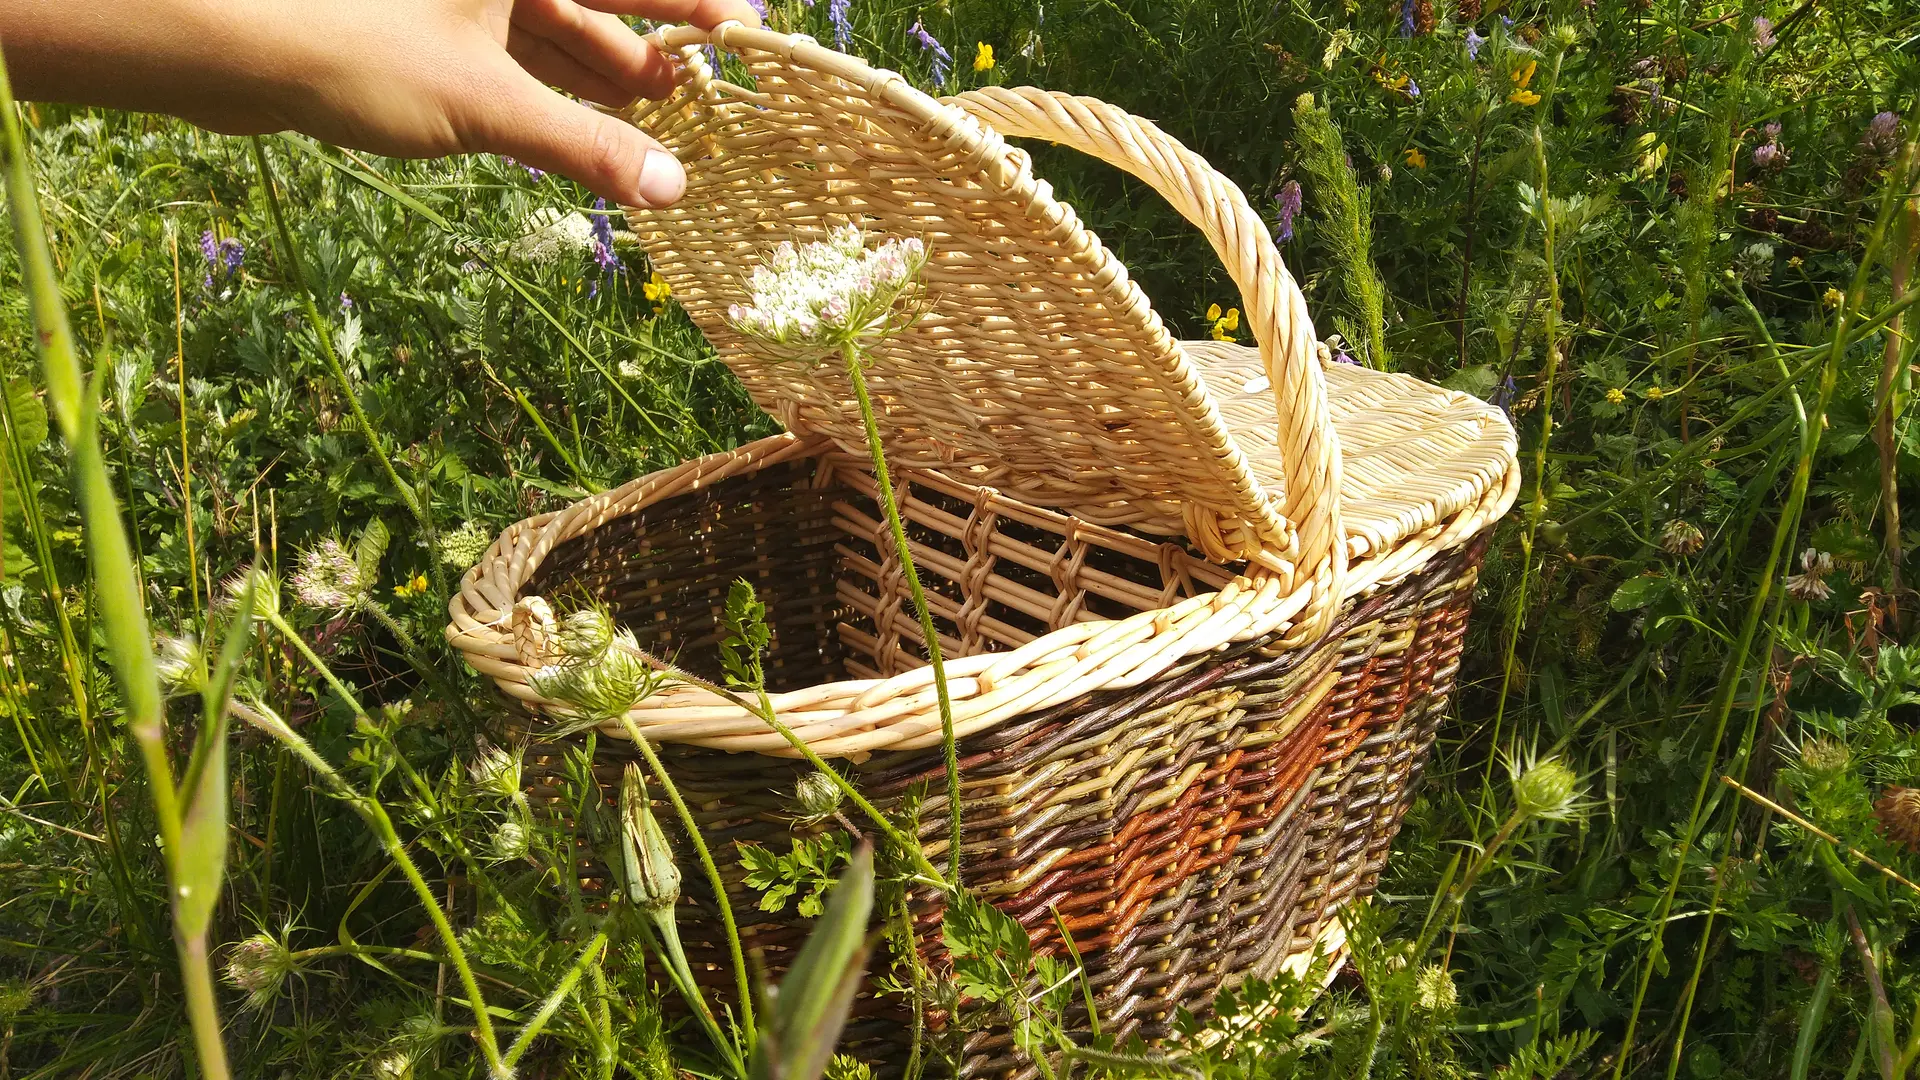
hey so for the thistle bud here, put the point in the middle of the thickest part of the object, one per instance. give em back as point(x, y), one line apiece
point(1546, 789)
point(653, 879)
point(817, 796)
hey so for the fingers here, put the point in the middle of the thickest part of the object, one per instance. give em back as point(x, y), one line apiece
point(595, 41)
point(705, 14)
point(604, 153)
point(556, 67)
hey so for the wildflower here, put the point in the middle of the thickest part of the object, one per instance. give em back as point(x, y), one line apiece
point(1810, 584)
point(1755, 264)
point(1433, 989)
point(1882, 136)
point(1523, 76)
point(1796, 262)
point(1833, 298)
point(656, 289)
point(266, 592)
point(531, 171)
point(1337, 43)
point(1770, 156)
point(414, 586)
point(1681, 538)
point(820, 296)
point(330, 578)
point(837, 15)
point(1545, 789)
point(551, 233)
point(1762, 32)
point(603, 240)
point(1413, 88)
point(1384, 172)
point(586, 634)
point(1524, 97)
point(982, 57)
point(759, 8)
point(653, 880)
point(346, 302)
point(817, 796)
point(1898, 812)
point(1655, 393)
point(1223, 326)
point(258, 966)
point(1823, 755)
point(1289, 200)
point(182, 664)
point(942, 59)
point(222, 258)
point(1415, 158)
point(1406, 18)
point(1503, 395)
point(1474, 42)
point(462, 547)
point(1615, 395)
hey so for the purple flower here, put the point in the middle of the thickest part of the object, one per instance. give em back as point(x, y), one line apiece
point(346, 302)
point(1882, 136)
point(1762, 32)
point(1770, 155)
point(942, 59)
point(1502, 396)
point(838, 15)
point(1289, 200)
point(232, 254)
point(1343, 356)
point(1413, 88)
point(531, 171)
point(759, 7)
point(222, 257)
point(1506, 23)
point(1474, 41)
point(1406, 18)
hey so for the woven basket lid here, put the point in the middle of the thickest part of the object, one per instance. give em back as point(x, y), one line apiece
point(1039, 367)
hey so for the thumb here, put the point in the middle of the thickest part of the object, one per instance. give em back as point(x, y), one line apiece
point(609, 156)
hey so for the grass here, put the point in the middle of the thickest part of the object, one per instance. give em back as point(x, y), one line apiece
point(1700, 606)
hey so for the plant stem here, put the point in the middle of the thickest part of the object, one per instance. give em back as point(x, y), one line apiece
point(955, 819)
point(714, 881)
point(552, 1003)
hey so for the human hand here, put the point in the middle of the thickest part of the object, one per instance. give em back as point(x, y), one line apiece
point(408, 78)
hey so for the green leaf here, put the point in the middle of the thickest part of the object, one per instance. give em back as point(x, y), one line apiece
point(1636, 593)
point(812, 1002)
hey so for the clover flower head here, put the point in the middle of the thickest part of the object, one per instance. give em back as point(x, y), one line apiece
point(1810, 584)
point(330, 578)
point(1681, 537)
point(1762, 32)
point(942, 59)
point(1289, 200)
point(1882, 136)
point(816, 297)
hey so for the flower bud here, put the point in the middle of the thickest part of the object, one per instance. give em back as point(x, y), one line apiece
point(1434, 991)
point(510, 842)
point(1824, 756)
point(495, 771)
point(586, 634)
point(653, 878)
point(258, 966)
point(1545, 790)
point(817, 796)
point(182, 664)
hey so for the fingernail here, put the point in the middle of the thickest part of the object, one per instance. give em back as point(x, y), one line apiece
point(662, 181)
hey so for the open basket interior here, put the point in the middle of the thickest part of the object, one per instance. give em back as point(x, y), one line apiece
point(812, 540)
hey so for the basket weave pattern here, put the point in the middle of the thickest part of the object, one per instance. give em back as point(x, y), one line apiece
point(1192, 831)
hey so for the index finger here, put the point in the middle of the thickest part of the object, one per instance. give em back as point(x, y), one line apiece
point(705, 14)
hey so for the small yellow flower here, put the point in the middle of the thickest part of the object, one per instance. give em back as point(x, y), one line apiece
point(413, 587)
point(1524, 97)
point(1796, 262)
point(1523, 76)
point(1615, 395)
point(1213, 312)
point(1833, 298)
point(656, 288)
point(1223, 325)
point(983, 57)
point(1654, 393)
point(1415, 158)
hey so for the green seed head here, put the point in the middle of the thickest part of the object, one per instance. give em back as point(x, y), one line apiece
point(1434, 991)
point(258, 966)
point(817, 796)
point(586, 634)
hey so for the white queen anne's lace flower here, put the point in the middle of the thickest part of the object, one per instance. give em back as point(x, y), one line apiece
point(818, 297)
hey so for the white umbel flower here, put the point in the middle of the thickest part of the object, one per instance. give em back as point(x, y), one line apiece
point(553, 233)
point(812, 299)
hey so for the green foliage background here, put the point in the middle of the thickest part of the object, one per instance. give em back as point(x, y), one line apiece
point(1687, 308)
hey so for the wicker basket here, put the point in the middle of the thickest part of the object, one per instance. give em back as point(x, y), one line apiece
point(1202, 602)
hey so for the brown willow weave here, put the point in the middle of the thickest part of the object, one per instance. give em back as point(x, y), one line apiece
point(1191, 832)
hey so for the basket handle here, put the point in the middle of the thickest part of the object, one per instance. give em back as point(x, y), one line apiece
point(1276, 311)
